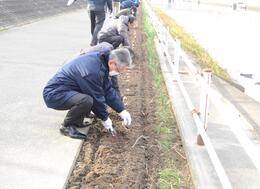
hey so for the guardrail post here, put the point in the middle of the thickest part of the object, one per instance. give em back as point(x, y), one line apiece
point(166, 38)
point(204, 101)
point(161, 31)
point(176, 57)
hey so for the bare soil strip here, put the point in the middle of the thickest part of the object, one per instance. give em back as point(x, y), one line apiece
point(132, 158)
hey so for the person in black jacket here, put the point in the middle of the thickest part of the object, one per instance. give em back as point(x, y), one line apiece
point(83, 85)
point(97, 14)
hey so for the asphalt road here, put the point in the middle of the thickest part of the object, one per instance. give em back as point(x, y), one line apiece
point(33, 153)
point(17, 12)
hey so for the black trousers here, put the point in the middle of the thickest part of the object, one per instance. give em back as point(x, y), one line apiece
point(114, 40)
point(79, 106)
point(97, 19)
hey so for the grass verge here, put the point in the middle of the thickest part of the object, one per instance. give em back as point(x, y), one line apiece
point(190, 45)
point(169, 174)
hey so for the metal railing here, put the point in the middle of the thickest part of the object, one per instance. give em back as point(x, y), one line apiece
point(204, 79)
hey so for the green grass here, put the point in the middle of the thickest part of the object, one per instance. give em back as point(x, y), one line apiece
point(169, 179)
point(163, 113)
point(190, 45)
point(168, 175)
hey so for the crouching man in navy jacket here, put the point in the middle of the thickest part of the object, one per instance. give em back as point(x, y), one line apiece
point(83, 85)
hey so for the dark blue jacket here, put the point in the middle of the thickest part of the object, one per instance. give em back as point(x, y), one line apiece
point(87, 74)
point(128, 4)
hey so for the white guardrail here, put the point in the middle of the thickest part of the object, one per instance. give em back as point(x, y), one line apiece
point(204, 80)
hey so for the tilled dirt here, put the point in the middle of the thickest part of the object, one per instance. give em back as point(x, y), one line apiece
point(130, 159)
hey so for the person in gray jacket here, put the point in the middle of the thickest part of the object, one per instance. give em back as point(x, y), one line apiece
point(97, 14)
point(115, 32)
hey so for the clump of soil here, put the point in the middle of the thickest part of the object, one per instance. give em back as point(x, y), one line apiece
point(132, 158)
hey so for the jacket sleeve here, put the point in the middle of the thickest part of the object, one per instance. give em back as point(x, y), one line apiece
point(112, 98)
point(122, 30)
point(93, 85)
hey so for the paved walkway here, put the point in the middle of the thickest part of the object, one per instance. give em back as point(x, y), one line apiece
point(33, 153)
point(17, 12)
point(231, 38)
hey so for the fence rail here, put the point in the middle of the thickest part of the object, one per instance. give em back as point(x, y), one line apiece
point(201, 121)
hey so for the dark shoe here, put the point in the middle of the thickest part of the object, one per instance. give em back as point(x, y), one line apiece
point(83, 125)
point(72, 132)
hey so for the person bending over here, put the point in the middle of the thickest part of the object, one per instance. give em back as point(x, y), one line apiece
point(133, 4)
point(83, 85)
point(116, 31)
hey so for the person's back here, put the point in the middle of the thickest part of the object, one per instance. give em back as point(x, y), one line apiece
point(101, 47)
point(130, 4)
point(116, 32)
point(109, 29)
point(127, 4)
point(67, 80)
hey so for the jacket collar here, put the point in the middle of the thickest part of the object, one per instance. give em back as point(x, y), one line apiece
point(104, 57)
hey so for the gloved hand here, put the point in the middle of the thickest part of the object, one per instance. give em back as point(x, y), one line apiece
point(108, 125)
point(126, 117)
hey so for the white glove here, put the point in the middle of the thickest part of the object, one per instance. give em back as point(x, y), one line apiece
point(126, 117)
point(108, 125)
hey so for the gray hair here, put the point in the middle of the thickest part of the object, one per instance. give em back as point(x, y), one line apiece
point(122, 56)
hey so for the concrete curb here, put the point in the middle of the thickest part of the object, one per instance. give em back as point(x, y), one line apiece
point(85, 131)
